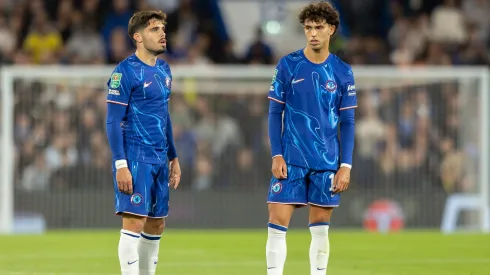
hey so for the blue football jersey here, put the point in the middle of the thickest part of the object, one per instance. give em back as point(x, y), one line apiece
point(314, 95)
point(145, 90)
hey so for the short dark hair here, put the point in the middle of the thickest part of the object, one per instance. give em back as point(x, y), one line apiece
point(320, 11)
point(141, 20)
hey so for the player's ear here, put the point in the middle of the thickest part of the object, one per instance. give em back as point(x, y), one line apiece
point(331, 30)
point(137, 37)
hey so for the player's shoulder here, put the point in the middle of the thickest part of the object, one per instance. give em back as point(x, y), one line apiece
point(291, 61)
point(341, 68)
point(293, 58)
point(163, 64)
point(127, 63)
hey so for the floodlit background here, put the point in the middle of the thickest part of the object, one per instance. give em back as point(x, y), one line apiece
point(421, 159)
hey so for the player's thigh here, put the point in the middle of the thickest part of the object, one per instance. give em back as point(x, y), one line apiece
point(320, 186)
point(160, 192)
point(292, 190)
point(136, 203)
point(318, 214)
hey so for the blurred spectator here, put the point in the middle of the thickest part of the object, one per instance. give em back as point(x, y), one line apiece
point(43, 42)
point(36, 176)
point(116, 21)
point(7, 38)
point(448, 23)
point(259, 52)
point(118, 47)
point(85, 45)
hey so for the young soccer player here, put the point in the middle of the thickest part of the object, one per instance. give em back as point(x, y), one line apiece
point(139, 130)
point(316, 92)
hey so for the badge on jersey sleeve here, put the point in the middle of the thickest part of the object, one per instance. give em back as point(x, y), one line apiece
point(116, 80)
point(168, 82)
point(274, 76)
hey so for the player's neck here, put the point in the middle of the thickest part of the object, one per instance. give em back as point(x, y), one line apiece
point(317, 57)
point(146, 57)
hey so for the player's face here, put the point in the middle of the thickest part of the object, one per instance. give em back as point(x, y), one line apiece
point(318, 34)
point(154, 37)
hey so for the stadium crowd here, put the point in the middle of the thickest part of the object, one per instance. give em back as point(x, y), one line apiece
point(405, 135)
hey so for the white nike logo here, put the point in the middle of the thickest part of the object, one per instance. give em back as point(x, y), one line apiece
point(297, 80)
point(146, 84)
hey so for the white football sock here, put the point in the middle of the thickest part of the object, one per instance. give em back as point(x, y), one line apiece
point(148, 252)
point(128, 252)
point(276, 249)
point(319, 248)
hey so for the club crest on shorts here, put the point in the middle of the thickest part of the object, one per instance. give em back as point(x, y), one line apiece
point(276, 188)
point(136, 199)
point(331, 86)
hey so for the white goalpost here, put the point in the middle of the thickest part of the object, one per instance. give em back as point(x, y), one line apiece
point(473, 85)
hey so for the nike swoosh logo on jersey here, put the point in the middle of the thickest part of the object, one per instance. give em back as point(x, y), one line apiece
point(146, 84)
point(297, 80)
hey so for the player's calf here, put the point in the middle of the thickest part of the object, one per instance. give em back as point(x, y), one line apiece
point(149, 245)
point(276, 248)
point(128, 244)
point(320, 245)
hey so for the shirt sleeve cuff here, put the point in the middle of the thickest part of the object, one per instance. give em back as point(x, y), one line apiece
point(346, 165)
point(277, 156)
point(121, 163)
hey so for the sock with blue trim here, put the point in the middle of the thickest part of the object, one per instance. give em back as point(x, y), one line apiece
point(276, 249)
point(319, 248)
point(128, 252)
point(148, 252)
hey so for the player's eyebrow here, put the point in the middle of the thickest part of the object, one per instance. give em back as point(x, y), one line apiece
point(157, 27)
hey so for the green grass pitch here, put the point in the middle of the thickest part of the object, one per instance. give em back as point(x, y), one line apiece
point(188, 252)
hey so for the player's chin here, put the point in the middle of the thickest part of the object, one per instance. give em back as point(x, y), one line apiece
point(316, 46)
point(161, 50)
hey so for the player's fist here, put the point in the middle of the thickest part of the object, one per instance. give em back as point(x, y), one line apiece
point(341, 180)
point(175, 173)
point(279, 168)
point(124, 180)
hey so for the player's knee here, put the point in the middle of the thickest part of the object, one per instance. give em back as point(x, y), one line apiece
point(133, 223)
point(280, 214)
point(154, 226)
point(320, 214)
point(278, 219)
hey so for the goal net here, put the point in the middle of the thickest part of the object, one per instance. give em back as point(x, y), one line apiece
point(420, 161)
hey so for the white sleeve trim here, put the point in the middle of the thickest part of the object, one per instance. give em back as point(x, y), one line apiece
point(276, 156)
point(121, 163)
point(346, 165)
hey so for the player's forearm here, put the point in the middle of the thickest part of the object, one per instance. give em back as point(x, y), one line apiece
point(172, 151)
point(115, 115)
point(347, 129)
point(275, 127)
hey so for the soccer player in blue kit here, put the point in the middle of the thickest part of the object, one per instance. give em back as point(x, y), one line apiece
point(139, 131)
point(311, 165)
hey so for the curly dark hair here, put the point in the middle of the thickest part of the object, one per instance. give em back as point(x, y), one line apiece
point(320, 11)
point(141, 20)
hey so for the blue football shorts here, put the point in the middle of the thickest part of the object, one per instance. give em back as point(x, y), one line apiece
point(304, 186)
point(150, 197)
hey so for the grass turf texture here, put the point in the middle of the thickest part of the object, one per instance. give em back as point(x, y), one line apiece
point(200, 252)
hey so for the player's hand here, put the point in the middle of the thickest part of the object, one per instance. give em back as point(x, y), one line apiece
point(341, 180)
point(175, 173)
point(124, 180)
point(279, 168)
